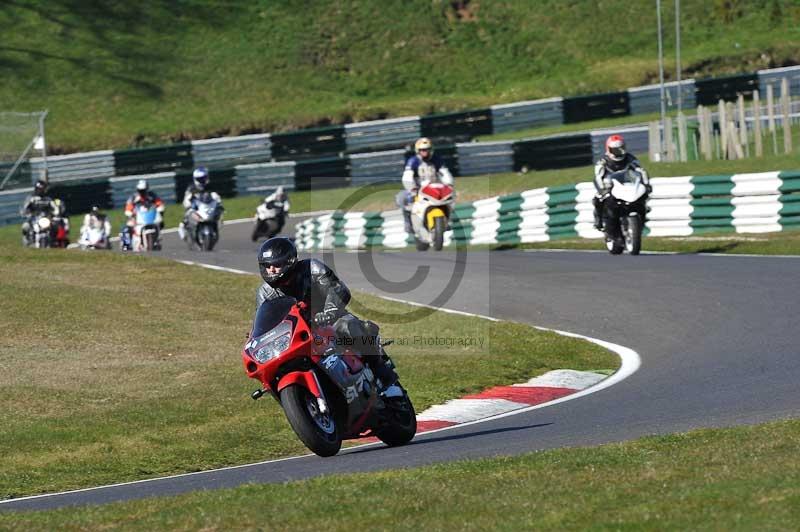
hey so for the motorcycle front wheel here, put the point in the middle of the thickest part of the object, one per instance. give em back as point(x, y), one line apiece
point(207, 238)
point(633, 235)
point(316, 430)
point(613, 245)
point(402, 423)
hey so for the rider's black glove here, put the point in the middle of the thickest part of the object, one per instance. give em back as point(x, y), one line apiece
point(325, 318)
point(649, 188)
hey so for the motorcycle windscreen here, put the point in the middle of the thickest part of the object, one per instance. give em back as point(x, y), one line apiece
point(270, 314)
point(146, 216)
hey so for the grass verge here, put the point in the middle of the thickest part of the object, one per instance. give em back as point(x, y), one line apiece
point(116, 368)
point(740, 478)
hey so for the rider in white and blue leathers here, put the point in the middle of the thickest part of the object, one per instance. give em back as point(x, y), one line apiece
point(424, 166)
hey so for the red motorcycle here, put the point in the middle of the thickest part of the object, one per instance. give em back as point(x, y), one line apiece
point(325, 389)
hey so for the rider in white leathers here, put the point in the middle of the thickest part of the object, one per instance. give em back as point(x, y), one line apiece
point(424, 166)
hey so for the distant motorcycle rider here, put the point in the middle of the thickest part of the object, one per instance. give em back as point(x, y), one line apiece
point(616, 158)
point(273, 210)
point(37, 204)
point(312, 282)
point(60, 219)
point(423, 166)
point(96, 216)
point(142, 196)
point(279, 201)
point(200, 180)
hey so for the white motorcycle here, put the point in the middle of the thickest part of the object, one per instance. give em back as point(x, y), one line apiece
point(624, 210)
point(204, 221)
point(430, 214)
point(268, 221)
point(96, 235)
point(40, 235)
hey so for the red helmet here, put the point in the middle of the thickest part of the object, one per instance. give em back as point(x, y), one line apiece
point(615, 148)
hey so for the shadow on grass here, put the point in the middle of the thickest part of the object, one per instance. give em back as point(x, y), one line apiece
point(106, 38)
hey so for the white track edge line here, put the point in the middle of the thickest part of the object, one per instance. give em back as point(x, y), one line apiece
point(698, 254)
point(630, 363)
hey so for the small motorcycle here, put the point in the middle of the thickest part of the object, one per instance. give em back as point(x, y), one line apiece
point(430, 214)
point(204, 222)
point(624, 211)
point(268, 222)
point(326, 391)
point(95, 236)
point(146, 228)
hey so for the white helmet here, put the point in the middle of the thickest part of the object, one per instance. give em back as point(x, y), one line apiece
point(141, 186)
point(200, 178)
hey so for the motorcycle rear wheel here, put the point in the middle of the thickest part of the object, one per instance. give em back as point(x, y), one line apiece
point(319, 432)
point(403, 425)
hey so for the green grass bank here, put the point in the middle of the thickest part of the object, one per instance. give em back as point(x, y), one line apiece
point(745, 478)
point(117, 368)
point(117, 74)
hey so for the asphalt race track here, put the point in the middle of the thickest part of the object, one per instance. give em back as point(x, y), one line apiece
point(718, 338)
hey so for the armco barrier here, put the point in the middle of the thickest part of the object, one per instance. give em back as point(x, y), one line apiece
point(331, 172)
point(394, 133)
point(476, 158)
point(82, 195)
point(261, 178)
point(378, 167)
point(91, 165)
point(10, 203)
point(596, 106)
point(560, 151)
point(647, 99)
point(382, 134)
point(523, 115)
point(680, 206)
point(728, 88)
point(775, 76)
point(308, 144)
point(227, 152)
point(162, 184)
point(153, 160)
point(455, 127)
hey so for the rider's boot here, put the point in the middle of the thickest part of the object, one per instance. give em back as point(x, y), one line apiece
point(384, 371)
point(182, 231)
point(598, 219)
point(407, 222)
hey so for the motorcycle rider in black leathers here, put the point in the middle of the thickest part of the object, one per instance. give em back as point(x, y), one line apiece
point(312, 282)
point(615, 159)
point(38, 203)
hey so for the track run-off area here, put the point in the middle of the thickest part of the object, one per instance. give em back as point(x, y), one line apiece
point(717, 337)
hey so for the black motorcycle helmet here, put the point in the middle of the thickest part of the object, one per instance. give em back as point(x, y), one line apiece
point(278, 253)
point(40, 188)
